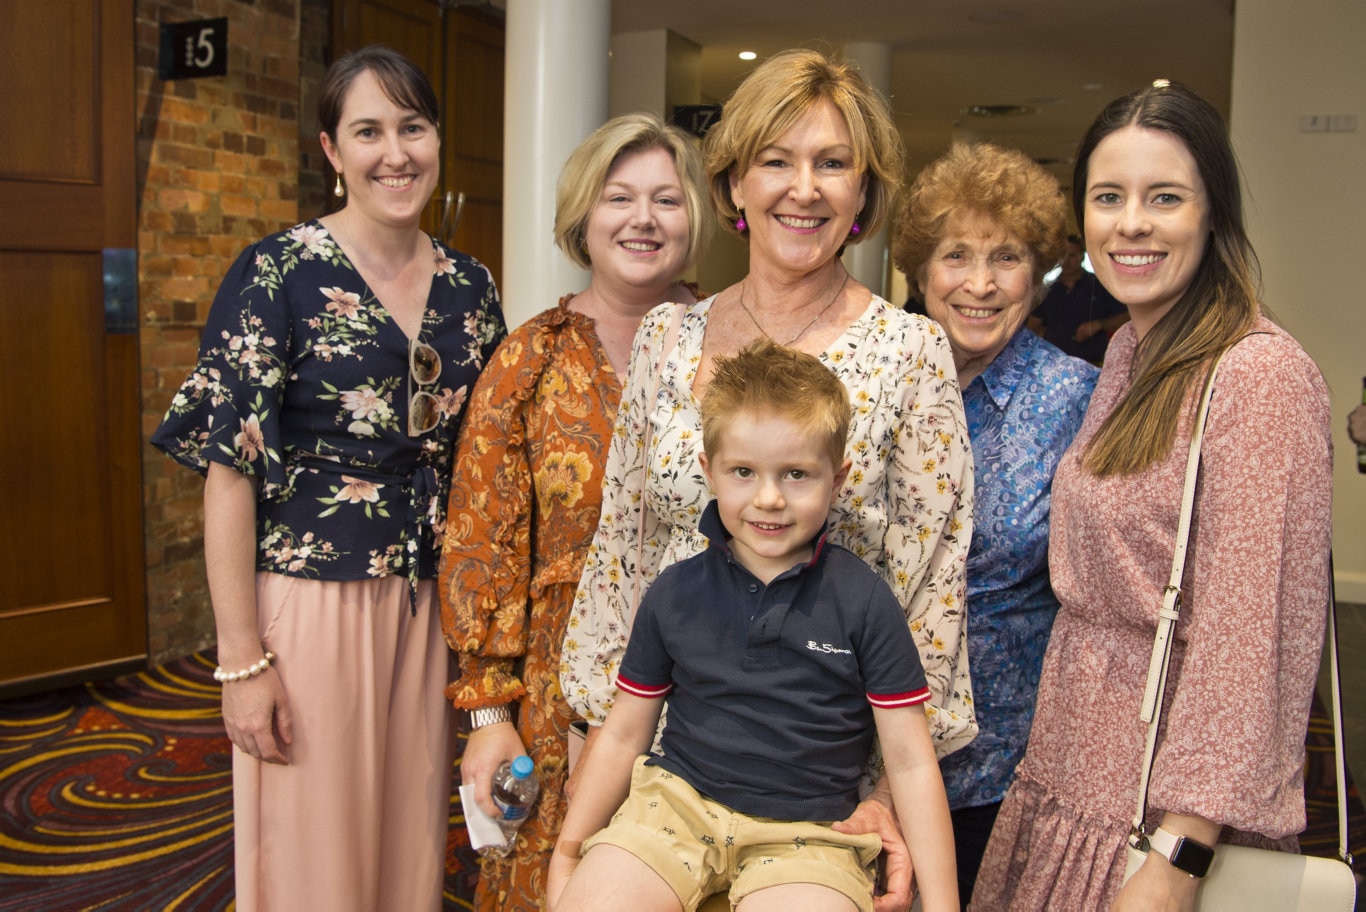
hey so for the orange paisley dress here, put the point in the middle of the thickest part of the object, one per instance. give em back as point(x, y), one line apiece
point(524, 505)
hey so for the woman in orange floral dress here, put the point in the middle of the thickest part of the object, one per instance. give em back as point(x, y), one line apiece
point(527, 485)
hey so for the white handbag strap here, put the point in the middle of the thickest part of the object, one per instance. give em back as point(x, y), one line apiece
point(670, 338)
point(1335, 709)
point(1156, 686)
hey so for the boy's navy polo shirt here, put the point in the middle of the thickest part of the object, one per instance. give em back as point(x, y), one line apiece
point(769, 687)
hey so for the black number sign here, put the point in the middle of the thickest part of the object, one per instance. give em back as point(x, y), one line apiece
point(193, 49)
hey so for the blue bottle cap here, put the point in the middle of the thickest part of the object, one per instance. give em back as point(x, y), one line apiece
point(523, 767)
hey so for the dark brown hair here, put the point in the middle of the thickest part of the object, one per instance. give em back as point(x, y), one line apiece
point(1218, 307)
point(399, 78)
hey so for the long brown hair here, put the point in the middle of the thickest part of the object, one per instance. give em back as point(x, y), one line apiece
point(1217, 309)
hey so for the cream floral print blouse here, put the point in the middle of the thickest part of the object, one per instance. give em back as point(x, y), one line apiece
point(906, 508)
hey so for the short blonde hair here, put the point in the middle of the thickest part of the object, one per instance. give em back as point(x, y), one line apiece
point(585, 172)
point(1004, 186)
point(765, 378)
point(775, 96)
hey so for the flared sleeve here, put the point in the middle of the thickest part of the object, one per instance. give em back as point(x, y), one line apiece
point(485, 575)
point(228, 409)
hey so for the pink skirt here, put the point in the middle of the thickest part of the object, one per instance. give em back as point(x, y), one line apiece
point(358, 819)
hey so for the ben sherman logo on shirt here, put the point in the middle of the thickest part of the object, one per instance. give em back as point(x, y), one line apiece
point(826, 647)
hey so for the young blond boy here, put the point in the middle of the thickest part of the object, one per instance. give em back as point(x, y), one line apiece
point(779, 654)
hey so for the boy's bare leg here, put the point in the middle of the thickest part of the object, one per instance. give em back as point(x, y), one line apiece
point(612, 878)
point(797, 897)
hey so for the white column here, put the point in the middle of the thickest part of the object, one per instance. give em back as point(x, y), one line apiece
point(867, 260)
point(555, 95)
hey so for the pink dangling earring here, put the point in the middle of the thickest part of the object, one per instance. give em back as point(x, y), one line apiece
point(854, 229)
point(741, 225)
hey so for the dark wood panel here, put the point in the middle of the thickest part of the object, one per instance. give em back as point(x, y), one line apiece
point(73, 601)
point(481, 223)
point(472, 90)
point(52, 336)
point(80, 633)
point(410, 26)
point(50, 112)
point(51, 216)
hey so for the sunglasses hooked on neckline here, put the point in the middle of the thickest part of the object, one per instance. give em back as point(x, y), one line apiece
point(424, 368)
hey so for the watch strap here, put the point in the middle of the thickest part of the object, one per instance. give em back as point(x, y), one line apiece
point(1184, 853)
point(489, 715)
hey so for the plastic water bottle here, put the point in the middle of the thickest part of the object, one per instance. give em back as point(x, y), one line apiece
point(515, 788)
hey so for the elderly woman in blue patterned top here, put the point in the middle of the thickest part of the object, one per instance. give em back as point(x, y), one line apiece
point(980, 228)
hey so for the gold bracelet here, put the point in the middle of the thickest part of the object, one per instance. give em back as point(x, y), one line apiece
point(251, 671)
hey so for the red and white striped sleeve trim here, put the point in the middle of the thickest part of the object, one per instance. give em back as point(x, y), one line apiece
point(892, 701)
point(644, 690)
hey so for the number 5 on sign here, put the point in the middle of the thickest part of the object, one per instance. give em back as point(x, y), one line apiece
point(190, 50)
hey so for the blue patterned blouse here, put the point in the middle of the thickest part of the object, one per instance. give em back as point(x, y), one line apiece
point(303, 381)
point(1022, 414)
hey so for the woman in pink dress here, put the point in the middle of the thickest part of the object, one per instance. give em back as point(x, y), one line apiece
point(1157, 195)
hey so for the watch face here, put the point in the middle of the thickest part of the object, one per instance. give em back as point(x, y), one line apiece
point(1192, 857)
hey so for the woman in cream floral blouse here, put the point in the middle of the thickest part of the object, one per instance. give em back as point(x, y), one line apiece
point(804, 160)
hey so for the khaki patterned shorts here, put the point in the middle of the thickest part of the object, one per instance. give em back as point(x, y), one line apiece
point(701, 847)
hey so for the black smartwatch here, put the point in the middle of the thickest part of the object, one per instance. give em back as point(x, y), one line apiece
point(1185, 854)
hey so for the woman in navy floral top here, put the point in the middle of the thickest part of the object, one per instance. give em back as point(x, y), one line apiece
point(981, 227)
point(331, 381)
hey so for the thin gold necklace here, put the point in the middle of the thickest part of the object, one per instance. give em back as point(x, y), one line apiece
point(744, 287)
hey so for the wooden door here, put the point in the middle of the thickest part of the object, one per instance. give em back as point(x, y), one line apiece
point(462, 52)
point(472, 95)
point(72, 597)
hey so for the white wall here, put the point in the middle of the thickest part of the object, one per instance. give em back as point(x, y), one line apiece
point(1306, 203)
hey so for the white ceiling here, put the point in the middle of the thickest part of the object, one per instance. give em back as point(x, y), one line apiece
point(1063, 58)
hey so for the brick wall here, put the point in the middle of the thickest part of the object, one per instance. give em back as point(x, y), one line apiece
point(218, 167)
point(315, 45)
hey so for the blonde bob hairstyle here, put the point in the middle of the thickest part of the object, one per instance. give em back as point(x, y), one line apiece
point(774, 97)
point(585, 173)
point(764, 379)
point(1003, 186)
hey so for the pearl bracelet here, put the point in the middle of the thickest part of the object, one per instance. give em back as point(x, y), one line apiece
point(251, 671)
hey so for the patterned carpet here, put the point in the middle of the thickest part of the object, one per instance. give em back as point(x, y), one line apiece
point(117, 796)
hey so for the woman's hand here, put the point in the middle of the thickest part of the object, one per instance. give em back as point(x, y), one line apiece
point(487, 749)
point(572, 782)
point(1157, 887)
point(256, 715)
point(1356, 424)
point(874, 815)
point(1088, 329)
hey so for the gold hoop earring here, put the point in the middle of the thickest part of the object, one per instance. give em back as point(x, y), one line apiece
point(339, 191)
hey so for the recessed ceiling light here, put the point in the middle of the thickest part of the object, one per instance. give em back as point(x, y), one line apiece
point(748, 55)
